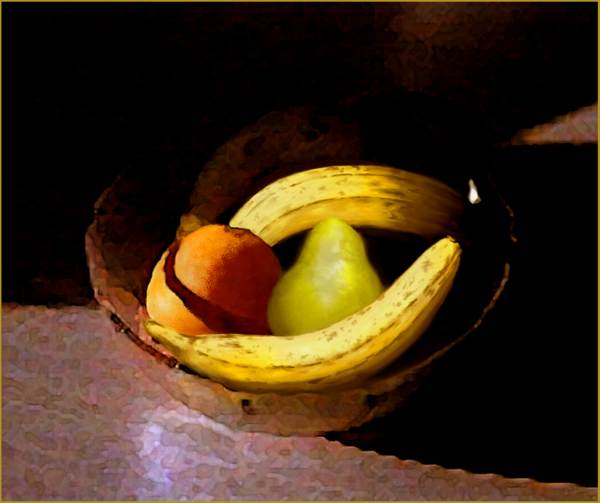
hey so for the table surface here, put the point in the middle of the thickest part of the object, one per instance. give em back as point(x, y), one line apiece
point(85, 417)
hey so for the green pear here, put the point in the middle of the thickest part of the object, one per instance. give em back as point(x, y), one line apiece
point(331, 279)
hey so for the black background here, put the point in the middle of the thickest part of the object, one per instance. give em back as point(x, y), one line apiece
point(90, 90)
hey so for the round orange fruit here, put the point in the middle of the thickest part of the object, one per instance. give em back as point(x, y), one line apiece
point(216, 279)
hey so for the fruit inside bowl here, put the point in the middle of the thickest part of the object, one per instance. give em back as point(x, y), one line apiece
point(333, 324)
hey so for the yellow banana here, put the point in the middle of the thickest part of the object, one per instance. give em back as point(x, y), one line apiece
point(365, 195)
point(365, 342)
point(349, 350)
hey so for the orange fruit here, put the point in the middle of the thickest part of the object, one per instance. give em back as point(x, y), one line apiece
point(217, 279)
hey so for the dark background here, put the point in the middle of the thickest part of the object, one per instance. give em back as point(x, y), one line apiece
point(91, 90)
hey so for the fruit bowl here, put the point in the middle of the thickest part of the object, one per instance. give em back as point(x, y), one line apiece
point(138, 216)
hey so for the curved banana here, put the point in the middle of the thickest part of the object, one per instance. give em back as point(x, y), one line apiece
point(365, 195)
point(351, 349)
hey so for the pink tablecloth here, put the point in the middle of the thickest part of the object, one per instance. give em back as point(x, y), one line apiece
point(84, 417)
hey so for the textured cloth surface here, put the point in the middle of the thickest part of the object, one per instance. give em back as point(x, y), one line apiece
point(580, 126)
point(85, 417)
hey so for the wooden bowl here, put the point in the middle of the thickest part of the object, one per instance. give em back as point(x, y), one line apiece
point(139, 215)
